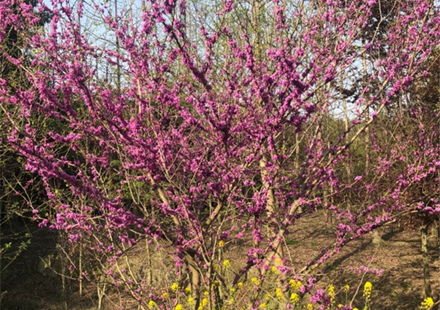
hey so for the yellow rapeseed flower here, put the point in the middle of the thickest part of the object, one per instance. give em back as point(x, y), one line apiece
point(309, 307)
point(226, 263)
point(331, 292)
point(178, 307)
point(279, 293)
point(240, 284)
point(294, 298)
point(232, 290)
point(296, 285)
point(204, 302)
point(427, 304)
point(190, 301)
point(221, 244)
point(165, 295)
point(346, 288)
point(255, 281)
point(151, 304)
point(263, 305)
point(175, 287)
point(187, 290)
point(367, 290)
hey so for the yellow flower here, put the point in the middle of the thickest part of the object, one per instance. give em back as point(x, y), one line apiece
point(240, 284)
point(232, 290)
point(205, 293)
point(226, 263)
point(263, 305)
point(346, 288)
point(427, 303)
point(296, 285)
point(179, 307)
point(255, 281)
point(164, 295)
point(187, 290)
point(294, 298)
point(204, 302)
point(279, 293)
point(367, 290)
point(175, 287)
point(309, 307)
point(331, 292)
point(151, 304)
point(221, 244)
point(274, 269)
point(190, 300)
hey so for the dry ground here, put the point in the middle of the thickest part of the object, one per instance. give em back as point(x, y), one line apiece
point(399, 287)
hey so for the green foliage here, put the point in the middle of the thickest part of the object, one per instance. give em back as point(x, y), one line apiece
point(9, 251)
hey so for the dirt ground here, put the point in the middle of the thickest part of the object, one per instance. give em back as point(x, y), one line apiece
point(398, 254)
point(25, 287)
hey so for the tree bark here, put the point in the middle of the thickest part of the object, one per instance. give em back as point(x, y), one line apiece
point(425, 255)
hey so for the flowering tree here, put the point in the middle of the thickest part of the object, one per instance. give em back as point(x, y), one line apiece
point(214, 131)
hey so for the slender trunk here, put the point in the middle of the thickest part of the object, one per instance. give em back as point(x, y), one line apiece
point(150, 268)
point(118, 64)
point(328, 192)
point(296, 163)
point(101, 294)
point(1, 199)
point(367, 118)
point(63, 283)
point(297, 140)
point(80, 270)
point(347, 139)
point(425, 255)
point(438, 238)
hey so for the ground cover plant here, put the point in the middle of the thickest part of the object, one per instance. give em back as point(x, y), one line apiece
point(200, 125)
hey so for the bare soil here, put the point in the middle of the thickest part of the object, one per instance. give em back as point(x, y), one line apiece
point(398, 254)
point(25, 287)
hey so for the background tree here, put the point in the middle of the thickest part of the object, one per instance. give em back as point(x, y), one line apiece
point(20, 191)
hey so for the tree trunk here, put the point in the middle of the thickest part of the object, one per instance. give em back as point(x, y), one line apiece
point(271, 206)
point(425, 254)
